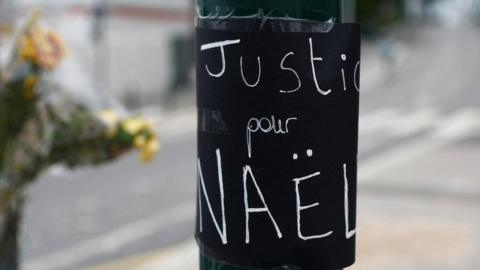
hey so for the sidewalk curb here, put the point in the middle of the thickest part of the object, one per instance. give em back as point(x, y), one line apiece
point(179, 257)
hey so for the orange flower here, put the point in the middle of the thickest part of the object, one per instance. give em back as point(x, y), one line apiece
point(42, 48)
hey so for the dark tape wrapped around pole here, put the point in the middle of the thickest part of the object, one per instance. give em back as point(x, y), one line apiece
point(277, 146)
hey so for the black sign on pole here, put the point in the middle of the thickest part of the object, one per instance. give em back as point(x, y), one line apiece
point(277, 146)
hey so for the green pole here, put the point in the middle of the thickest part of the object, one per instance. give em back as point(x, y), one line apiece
point(348, 10)
point(222, 14)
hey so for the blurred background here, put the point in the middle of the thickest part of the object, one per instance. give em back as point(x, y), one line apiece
point(419, 183)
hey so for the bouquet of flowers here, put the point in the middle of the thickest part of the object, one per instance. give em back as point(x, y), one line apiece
point(41, 125)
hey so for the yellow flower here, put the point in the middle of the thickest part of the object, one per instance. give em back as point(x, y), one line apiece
point(43, 48)
point(29, 87)
point(139, 141)
point(110, 119)
point(149, 150)
point(134, 125)
point(108, 116)
point(143, 137)
point(27, 49)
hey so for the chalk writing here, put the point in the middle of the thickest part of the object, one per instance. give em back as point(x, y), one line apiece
point(247, 170)
point(221, 45)
point(301, 207)
point(265, 125)
point(258, 76)
point(348, 233)
point(223, 231)
point(248, 210)
point(282, 66)
point(298, 82)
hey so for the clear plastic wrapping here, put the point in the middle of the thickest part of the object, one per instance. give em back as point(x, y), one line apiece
point(221, 17)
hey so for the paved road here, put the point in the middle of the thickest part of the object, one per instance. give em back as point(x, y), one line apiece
point(419, 139)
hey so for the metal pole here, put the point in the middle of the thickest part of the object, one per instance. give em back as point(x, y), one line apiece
point(348, 10)
point(322, 11)
point(100, 60)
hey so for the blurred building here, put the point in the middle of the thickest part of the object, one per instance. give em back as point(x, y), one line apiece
point(137, 51)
